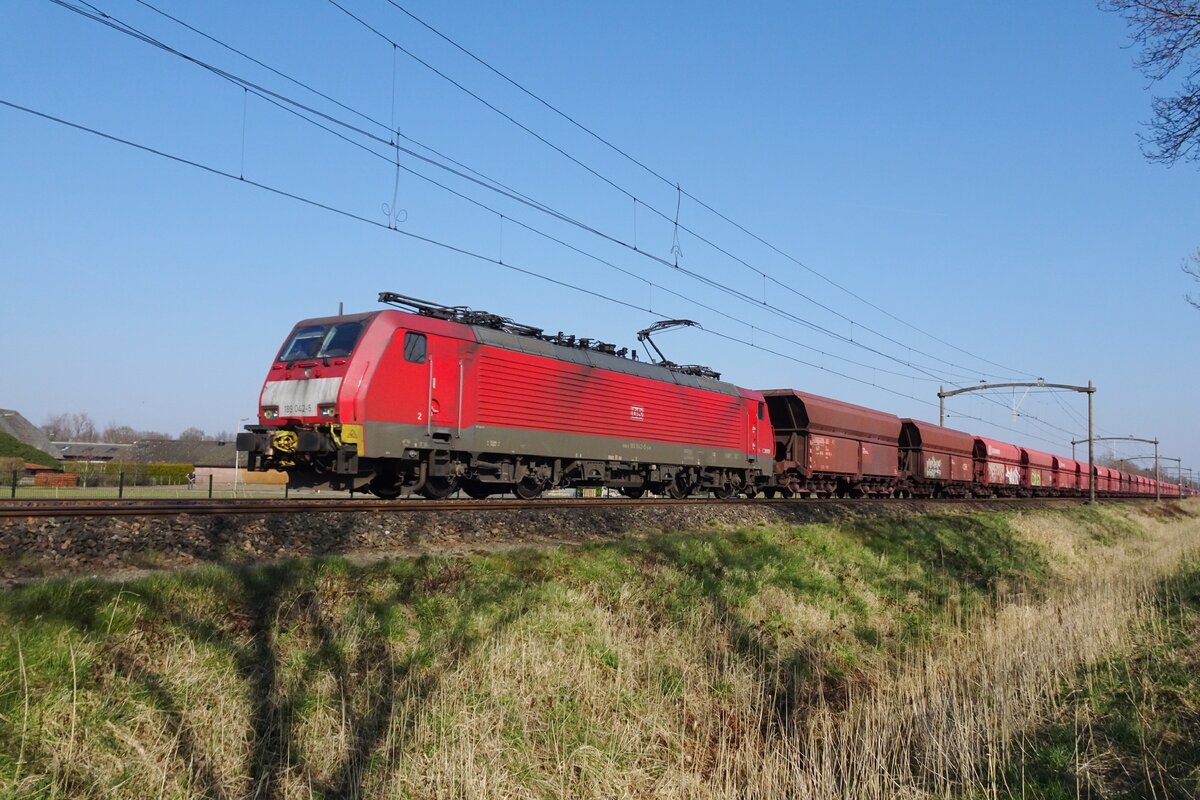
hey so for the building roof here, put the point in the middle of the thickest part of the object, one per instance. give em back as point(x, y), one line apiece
point(91, 451)
point(199, 454)
point(24, 431)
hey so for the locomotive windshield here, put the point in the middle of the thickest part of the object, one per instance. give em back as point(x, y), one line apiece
point(322, 341)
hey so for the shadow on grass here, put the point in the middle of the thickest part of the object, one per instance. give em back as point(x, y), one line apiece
point(930, 557)
point(266, 620)
point(285, 628)
point(977, 550)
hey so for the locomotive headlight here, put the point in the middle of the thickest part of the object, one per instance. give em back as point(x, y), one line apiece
point(328, 410)
point(270, 412)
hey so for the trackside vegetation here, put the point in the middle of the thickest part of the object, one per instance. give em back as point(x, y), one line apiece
point(110, 473)
point(1127, 726)
point(880, 656)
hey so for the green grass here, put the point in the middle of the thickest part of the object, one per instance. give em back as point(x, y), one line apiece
point(1104, 527)
point(234, 667)
point(12, 447)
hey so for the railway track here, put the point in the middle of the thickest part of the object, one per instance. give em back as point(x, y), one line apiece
point(172, 508)
point(48, 538)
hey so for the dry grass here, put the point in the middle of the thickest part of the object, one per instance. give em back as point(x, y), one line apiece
point(948, 720)
point(795, 663)
point(942, 719)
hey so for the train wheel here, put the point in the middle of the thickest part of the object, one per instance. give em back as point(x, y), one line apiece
point(769, 492)
point(633, 492)
point(527, 489)
point(438, 488)
point(677, 490)
point(722, 492)
point(476, 490)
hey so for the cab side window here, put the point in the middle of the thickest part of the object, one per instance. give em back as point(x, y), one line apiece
point(414, 347)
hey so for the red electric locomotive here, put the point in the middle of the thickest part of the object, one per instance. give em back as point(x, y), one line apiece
point(431, 399)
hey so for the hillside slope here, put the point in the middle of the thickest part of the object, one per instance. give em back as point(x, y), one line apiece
point(11, 447)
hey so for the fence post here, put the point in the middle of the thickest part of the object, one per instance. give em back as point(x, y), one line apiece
point(210, 486)
point(121, 486)
point(286, 486)
point(14, 485)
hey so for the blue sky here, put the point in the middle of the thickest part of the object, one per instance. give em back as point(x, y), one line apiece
point(970, 169)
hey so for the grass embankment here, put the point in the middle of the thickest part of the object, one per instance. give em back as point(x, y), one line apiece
point(865, 659)
point(13, 448)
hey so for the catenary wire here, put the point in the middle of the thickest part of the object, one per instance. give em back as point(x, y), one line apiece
point(517, 196)
point(633, 197)
point(274, 97)
point(392, 131)
point(452, 248)
point(656, 174)
point(279, 100)
point(607, 263)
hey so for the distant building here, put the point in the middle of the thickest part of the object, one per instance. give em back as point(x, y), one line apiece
point(24, 431)
point(168, 451)
point(213, 460)
point(92, 452)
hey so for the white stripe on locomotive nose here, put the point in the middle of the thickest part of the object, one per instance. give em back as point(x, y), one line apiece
point(301, 398)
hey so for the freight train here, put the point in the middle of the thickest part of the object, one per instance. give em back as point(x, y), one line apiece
point(430, 400)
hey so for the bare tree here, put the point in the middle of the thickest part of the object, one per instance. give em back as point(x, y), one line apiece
point(75, 427)
point(1168, 32)
point(193, 435)
point(1191, 266)
point(119, 434)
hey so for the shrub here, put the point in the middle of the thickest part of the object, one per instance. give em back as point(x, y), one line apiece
point(109, 474)
point(9, 465)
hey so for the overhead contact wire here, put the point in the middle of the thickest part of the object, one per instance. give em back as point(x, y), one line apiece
point(434, 242)
point(280, 99)
point(293, 105)
point(670, 183)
